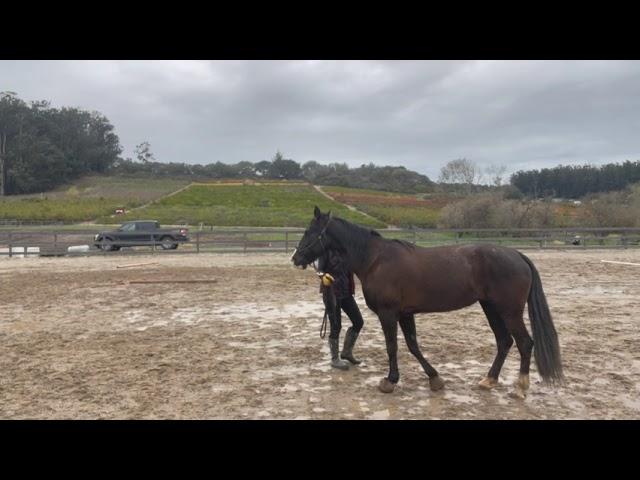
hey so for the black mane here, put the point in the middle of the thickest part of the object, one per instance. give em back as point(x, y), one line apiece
point(359, 237)
point(355, 237)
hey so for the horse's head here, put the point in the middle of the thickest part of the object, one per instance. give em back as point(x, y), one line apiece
point(314, 242)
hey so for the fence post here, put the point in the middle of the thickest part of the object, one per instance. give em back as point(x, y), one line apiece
point(10, 246)
point(55, 242)
point(244, 236)
point(415, 240)
point(286, 242)
point(153, 241)
point(197, 242)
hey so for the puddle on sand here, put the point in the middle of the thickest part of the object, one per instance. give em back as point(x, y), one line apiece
point(265, 315)
point(280, 371)
point(458, 398)
point(259, 316)
point(594, 290)
point(380, 415)
point(631, 402)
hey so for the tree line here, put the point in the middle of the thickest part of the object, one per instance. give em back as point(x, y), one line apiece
point(42, 147)
point(386, 178)
point(575, 181)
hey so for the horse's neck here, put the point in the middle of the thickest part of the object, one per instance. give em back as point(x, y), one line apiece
point(358, 253)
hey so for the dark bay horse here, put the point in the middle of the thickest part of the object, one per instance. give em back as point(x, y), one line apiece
point(400, 279)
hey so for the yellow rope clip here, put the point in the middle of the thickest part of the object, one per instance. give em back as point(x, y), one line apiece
point(327, 280)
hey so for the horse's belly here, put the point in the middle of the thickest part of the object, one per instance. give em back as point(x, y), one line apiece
point(438, 300)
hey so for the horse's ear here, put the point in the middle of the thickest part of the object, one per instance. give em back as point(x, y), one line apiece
point(330, 216)
point(316, 212)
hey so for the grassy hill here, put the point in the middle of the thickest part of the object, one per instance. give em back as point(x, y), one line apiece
point(252, 204)
point(87, 199)
point(269, 204)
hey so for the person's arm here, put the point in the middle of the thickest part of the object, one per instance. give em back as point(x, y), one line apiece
point(323, 264)
point(323, 260)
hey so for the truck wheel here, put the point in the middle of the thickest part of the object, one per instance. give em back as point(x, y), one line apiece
point(167, 243)
point(107, 247)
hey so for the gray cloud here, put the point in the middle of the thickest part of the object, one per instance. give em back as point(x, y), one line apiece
point(420, 114)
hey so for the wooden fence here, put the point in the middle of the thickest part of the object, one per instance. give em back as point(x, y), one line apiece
point(21, 242)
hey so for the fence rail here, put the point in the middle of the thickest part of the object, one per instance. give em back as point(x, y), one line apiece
point(17, 242)
point(29, 223)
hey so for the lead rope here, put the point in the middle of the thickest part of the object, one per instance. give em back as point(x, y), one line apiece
point(323, 327)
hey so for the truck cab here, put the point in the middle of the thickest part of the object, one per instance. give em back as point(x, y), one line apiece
point(140, 233)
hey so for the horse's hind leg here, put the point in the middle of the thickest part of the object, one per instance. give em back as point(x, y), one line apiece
point(515, 325)
point(503, 342)
point(389, 322)
point(408, 325)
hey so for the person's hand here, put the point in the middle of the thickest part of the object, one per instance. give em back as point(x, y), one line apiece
point(327, 280)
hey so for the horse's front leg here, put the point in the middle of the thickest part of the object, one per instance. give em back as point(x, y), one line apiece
point(389, 322)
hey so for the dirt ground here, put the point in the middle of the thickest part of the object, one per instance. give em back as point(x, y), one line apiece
point(78, 342)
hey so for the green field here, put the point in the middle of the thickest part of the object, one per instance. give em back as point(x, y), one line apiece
point(87, 199)
point(277, 205)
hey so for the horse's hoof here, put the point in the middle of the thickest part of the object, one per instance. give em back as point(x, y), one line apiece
point(518, 393)
point(520, 387)
point(386, 386)
point(523, 381)
point(487, 383)
point(436, 383)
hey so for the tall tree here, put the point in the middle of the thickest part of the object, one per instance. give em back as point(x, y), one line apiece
point(461, 171)
point(42, 147)
point(496, 174)
point(284, 168)
point(11, 108)
point(143, 153)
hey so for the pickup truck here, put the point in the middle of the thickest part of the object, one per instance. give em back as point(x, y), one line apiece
point(140, 233)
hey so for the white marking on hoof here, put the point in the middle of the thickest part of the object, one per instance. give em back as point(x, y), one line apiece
point(521, 386)
point(487, 383)
point(523, 381)
point(518, 393)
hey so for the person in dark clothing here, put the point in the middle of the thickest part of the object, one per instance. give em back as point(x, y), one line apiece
point(338, 288)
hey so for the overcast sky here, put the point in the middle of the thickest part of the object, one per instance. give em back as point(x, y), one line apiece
point(420, 114)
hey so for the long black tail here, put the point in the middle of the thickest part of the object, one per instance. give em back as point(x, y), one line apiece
point(545, 338)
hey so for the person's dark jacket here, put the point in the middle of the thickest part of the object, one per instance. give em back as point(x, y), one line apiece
point(334, 264)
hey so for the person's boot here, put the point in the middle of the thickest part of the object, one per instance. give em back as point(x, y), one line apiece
point(349, 341)
point(335, 361)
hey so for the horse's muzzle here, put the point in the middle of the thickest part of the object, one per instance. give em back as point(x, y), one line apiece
point(296, 261)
